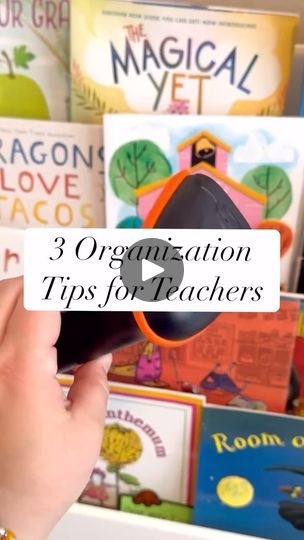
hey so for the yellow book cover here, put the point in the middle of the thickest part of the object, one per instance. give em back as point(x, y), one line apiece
point(144, 57)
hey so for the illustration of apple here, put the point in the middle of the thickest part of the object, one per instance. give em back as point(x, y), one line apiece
point(20, 96)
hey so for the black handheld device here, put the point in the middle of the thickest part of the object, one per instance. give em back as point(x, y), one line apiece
point(188, 201)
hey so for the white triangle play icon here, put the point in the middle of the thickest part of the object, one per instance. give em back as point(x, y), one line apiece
point(150, 270)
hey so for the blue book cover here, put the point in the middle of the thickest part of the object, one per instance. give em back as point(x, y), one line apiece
point(251, 474)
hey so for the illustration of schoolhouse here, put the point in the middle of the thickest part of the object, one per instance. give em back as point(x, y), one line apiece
point(206, 154)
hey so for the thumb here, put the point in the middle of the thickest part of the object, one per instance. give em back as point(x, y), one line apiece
point(89, 393)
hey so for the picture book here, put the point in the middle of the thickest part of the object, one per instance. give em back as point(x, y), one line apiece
point(299, 360)
point(258, 161)
point(149, 57)
point(250, 477)
point(34, 59)
point(145, 466)
point(11, 253)
point(299, 275)
point(51, 174)
point(242, 360)
point(298, 283)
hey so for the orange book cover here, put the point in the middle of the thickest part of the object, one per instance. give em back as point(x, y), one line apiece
point(241, 360)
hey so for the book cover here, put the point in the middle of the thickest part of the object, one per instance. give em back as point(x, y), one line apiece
point(299, 360)
point(258, 161)
point(51, 174)
point(146, 467)
point(147, 57)
point(11, 253)
point(301, 111)
point(250, 477)
point(34, 59)
point(298, 281)
point(242, 360)
point(299, 275)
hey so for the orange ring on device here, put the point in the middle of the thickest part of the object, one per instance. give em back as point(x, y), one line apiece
point(139, 316)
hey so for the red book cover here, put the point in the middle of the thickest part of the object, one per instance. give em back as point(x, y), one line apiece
point(241, 360)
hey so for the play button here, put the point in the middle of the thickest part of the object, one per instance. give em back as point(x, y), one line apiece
point(150, 270)
point(153, 269)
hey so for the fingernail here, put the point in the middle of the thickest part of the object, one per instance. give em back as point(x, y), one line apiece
point(107, 361)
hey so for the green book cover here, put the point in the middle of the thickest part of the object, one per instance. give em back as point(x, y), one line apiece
point(34, 64)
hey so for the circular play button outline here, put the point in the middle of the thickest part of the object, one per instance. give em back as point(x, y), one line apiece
point(164, 283)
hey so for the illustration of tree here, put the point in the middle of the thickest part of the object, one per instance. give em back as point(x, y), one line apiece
point(120, 447)
point(134, 165)
point(272, 181)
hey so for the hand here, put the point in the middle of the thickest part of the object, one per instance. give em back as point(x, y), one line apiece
point(49, 444)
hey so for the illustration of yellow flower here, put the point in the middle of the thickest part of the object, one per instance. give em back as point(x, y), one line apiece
point(120, 445)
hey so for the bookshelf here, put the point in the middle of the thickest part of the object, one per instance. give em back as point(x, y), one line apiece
point(83, 521)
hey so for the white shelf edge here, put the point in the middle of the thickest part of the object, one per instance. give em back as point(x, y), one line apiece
point(136, 524)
